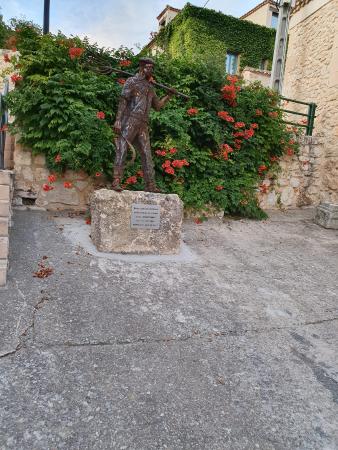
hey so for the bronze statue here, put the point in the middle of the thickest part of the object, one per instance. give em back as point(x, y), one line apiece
point(131, 125)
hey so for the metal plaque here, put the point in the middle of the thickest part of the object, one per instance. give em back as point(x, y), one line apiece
point(146, 217)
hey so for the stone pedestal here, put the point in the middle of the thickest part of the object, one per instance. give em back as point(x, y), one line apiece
point(327, 215)
point(136, 222)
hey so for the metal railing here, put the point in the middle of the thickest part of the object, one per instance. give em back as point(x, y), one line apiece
point(310, 115)
point(3, 124)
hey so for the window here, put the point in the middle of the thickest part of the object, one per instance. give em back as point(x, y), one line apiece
point(231, 63)
point(274, 20)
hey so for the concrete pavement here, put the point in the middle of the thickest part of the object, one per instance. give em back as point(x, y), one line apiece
point(234, 347)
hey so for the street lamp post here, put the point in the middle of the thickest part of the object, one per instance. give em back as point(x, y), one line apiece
point(46, 16)
point(277, 75)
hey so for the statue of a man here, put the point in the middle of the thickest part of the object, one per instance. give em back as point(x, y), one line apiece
point(131, 125)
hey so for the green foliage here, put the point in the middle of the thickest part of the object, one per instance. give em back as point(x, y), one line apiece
point(56, 104)
point(4, 32)
point(197, 33)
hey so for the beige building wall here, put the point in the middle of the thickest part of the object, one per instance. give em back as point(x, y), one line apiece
point(311, 75)
point(261, 16)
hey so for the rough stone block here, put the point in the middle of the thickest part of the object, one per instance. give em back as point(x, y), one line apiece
point(4, 223)
point(116, 229)
point(4, 192)
point(327, 215)
point(39, 160)
point(4, 208)
point(5, 177)
point(22, 157)
point(3, 272)
point(3, 247)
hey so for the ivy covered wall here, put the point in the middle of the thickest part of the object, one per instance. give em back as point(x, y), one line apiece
point(206, 34)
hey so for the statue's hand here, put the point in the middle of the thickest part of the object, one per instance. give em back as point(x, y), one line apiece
point(117, 127)
point(172, 92)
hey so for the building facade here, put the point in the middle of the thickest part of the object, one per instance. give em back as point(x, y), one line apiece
point(265, 14)
point(311, 75)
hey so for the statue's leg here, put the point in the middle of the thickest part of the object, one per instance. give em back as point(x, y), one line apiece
point(143, 144)
point(128, 133)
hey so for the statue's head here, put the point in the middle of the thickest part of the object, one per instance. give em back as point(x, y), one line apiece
point(146, 66)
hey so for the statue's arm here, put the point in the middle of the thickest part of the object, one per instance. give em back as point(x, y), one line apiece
point(158, 104)
point(123, 103)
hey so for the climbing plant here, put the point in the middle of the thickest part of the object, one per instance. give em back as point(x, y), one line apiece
point(200, 33)
point(214, 149)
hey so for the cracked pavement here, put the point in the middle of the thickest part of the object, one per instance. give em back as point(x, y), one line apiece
point(235, 350)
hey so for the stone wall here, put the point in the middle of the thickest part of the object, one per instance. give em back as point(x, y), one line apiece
point(311, 75)
point(299, 182)
point(6, 195)
point(31, 174)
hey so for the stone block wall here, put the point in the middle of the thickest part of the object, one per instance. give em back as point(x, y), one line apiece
point(299, 182)
point(6, 195)
point(311, 75)
point(31, 174)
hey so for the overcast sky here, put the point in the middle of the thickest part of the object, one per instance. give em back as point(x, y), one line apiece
point(110, 23)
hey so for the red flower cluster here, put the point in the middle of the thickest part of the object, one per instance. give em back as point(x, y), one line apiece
point(239, 125)
point(225, 116)
point(168, 166)
point(262, 169)
point(75, 52)
point(52, 178)
point(274, 158)
point(172, 151)
point(290, 151)
point(125, 63)
point(131, 180)
point(263, 188)
point(16, 78)
point(238, 144)
point(100, 115)
point(232, 78)
point(58, 158)
point(88, 220)
point(47, 188)
point(179, 163)
point(229, 91)
point(192, 111)
point(254, 126)
point(121, 81)
point(219, 188)
point(160, 152)
point(245, 134)
point(7, 59)
point(273, 114)
point(259, 112)
point(226, 149)
point(67, 184)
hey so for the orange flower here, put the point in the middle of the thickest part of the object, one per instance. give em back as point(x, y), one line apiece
point(75, 52)
point(131, 180)
point(16, 78)
point(239, 125)
point(125, 63)
point(98, 174)
point(192, 111)
point(47, 188)
point(52, 178)
point(121, 80)
point(172, 151)
point(169, 170)
point(67, 184)
point(100, 115)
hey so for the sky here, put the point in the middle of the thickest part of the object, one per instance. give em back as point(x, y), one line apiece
point(110, 23)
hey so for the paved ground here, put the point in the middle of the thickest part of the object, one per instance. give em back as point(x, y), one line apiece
point(236, 349)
